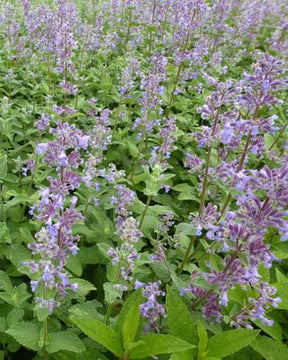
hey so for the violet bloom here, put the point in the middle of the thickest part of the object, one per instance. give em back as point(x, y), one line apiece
point(160, 154)
point(127, 228)
point(257, 308)
point(30, 165)
point(151, 310)
point(57, 213)
point(206, 219)
point(193, 163)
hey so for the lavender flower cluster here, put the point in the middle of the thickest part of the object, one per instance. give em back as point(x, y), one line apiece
point(56, 211)
point(147, 103)
point(261, 201)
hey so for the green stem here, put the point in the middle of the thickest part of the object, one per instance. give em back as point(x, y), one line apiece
point(227, 267)
point(187, 255)
point(278, 137)
point(45, 327)
point(145, 211)
point(178, 75)
point(2, 204)
point(153, 16)
point(126, 357)
point(128, 29)
point(165, 19)
point(117, 276)
point(87, 201)
point(203, 193)
point(239, 168)
point(134, 168)
point(32, 176)
point(7, 352)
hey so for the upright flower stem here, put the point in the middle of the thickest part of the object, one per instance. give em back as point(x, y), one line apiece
point(278, 137)
point(128, 28)
point(187, 254)
point(32, 176)
point(226, 269)
point(241, 163)
point(134, 168)
point(165, 19)
point(143, 143)
point(116, 279)
point(203, 193)
point(152, 23)
point(145, 211)
point(180, 66)
point(45, 327)
point(2, 203)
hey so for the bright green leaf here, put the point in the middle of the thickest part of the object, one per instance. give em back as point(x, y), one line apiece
point(111, 293)
point(26, 333)
point(101, 333)
point(131, 323)
point(159, 344)
point(270, 349)
point(203, 338)
point(180, 321)
point(64, 340)
point(228, 342)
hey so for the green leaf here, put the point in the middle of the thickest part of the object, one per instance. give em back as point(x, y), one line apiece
point(87, 309)
point(84, 287)
point(270, 349)
point(103, 248)
point(106, 81)
point(159, 344)
point(74, 265)
point(17, 253)
point(135, 297)
point(41, 313)
point(203, 338)
point(101, 333)
point(3, 166)
point(5, 282)
point(14, 316)
point(183, 355)
point(111, 294)
point(64, 340)
point(89, 354)
point(183, 229)
point(228, 342)
point(133, 149)
point(131, 323)
point(275, 331)
point(4, 233)
point(16, 296)
point(26, 333)
point(26, 235)
point(161, 271)
point(180, 321)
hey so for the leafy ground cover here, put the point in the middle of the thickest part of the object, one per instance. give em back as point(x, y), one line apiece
point(143, 180)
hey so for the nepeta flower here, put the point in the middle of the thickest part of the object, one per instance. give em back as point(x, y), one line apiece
point(206, 219)
point(55, 241)
point(151, 310)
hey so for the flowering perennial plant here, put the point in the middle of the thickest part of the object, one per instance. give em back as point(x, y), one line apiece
point(143, 162)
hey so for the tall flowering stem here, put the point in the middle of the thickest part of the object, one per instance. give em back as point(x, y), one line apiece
point(57, 214)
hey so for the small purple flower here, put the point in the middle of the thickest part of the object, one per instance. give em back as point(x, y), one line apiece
point(151, 310)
